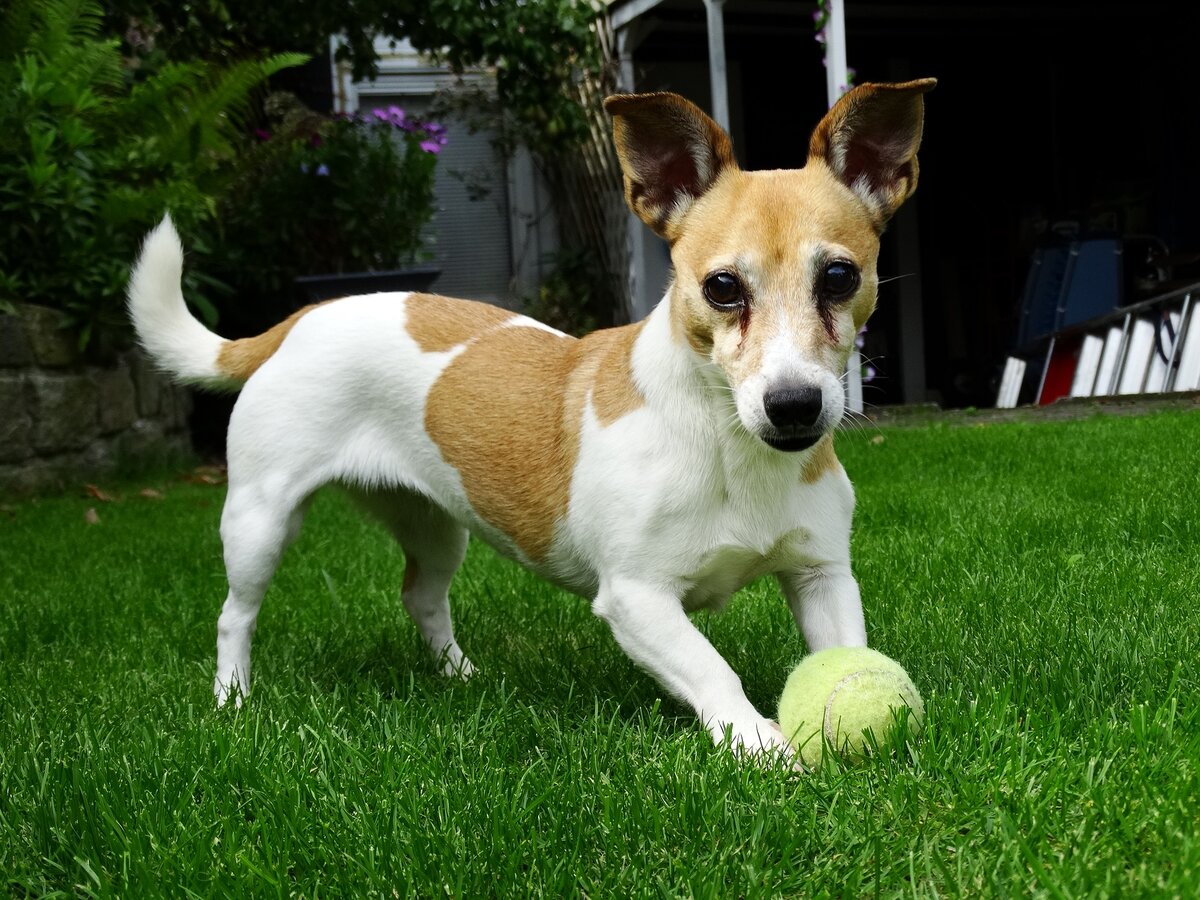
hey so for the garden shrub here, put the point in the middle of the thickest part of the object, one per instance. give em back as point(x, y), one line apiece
point(91, 158)
point(326, 194)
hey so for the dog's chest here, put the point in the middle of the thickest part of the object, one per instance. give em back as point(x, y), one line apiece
point(691, 520)
point(724, 570)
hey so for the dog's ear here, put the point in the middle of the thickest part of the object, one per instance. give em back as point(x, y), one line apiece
point(870, 139)
point(670, 153)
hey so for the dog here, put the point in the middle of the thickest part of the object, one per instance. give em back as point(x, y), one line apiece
point(654, 469)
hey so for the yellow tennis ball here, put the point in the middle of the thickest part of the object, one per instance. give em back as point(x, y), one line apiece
point(835, 695)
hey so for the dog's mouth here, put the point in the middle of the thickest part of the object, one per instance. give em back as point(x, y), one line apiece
point(792, 443)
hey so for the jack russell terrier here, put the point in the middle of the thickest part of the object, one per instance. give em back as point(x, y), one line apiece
point(654, 469)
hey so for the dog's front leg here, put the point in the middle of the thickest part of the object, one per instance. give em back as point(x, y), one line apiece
point(827, 606)
point(652, 627)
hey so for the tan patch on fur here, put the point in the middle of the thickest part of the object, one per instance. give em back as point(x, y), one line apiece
point(506, 414)
point(240, 359)
point(439, 323)
point(497, 414)
point(613, 392)
point(822, 462)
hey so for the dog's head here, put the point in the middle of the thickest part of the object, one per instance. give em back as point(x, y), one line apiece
point(774, 271)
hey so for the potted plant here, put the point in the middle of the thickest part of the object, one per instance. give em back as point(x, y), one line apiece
point(333, 205)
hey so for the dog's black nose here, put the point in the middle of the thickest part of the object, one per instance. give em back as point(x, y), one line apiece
point(793, 407)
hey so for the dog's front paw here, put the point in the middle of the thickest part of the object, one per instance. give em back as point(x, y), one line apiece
point(760, 741)
point(461, 668)
point(227, 689)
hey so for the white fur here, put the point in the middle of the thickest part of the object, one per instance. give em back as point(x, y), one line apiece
point(166, 330)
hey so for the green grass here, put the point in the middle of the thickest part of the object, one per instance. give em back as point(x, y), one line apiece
point(1040, 582)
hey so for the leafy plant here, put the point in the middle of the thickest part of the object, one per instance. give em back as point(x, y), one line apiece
point(568, 299)
point(548, 61)
point(89, 160)
point(537, 50)
point(328, 194)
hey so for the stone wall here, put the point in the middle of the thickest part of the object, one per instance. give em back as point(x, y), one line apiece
point(64, 420)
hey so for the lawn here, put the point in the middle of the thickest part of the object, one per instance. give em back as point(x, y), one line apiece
point(1039, 582)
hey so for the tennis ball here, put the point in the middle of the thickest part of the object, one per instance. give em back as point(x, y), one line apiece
point(836, 694)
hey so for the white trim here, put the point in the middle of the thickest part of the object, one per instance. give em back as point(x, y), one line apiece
point(1088, 366)
point(628, 12)
point(1138, 354)
point(403, 71)
point(345, 94)
point(835, 52)
point(714, 9)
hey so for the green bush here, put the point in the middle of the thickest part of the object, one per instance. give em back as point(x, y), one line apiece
point(568, 298)
point(329, 194)
point(89, 159)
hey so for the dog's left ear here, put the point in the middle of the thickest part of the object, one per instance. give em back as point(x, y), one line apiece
point(870, 139)
point(670, 153)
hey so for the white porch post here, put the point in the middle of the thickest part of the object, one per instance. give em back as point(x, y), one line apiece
point(345, 91)
point(635, 232)
point(835, 51)
point(836, 82)
point(716, 61)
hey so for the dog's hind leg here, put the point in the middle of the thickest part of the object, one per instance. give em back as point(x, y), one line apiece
point(257, 525)
point(434, 546)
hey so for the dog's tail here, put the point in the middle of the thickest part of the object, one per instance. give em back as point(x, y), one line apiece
point(177, 341)
point(173, 338)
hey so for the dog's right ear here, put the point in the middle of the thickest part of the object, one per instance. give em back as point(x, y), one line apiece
point(670, 153)
point(870, 139)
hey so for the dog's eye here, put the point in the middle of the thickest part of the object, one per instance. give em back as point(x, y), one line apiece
point(723, 290)
point(839, 280)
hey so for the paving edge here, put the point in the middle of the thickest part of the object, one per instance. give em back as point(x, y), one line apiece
point(917, 416)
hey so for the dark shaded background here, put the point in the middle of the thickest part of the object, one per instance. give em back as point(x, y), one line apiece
point(1044, 113)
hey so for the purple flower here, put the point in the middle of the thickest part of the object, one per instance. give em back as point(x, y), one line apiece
point(431, 146)
point(262, 134)
point(322, 169)
point(393, 116)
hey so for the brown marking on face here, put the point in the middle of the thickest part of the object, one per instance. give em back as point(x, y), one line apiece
point(765, 226)
point(439, 323)
point(863, 305)
point(240, 359)
point(744, 319)
point(826, 312)
point(506, 413)
point(692, 325)
point(822, 462)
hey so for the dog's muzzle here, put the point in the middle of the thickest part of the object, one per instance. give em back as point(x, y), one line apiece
point(795, 413)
